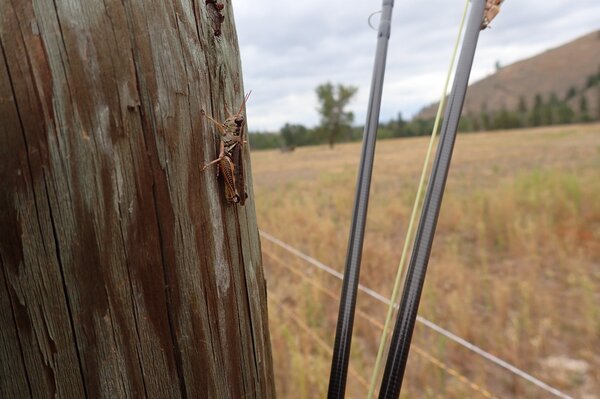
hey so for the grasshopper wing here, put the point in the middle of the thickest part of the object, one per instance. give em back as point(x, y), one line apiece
point(238, 161)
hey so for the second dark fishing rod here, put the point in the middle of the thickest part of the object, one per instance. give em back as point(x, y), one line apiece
point(415, 277)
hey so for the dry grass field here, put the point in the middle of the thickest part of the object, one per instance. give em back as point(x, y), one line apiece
point(515, 266)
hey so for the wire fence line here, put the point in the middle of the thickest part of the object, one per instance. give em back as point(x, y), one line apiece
point(427, 323)
point(310, 333)
point(376, 323)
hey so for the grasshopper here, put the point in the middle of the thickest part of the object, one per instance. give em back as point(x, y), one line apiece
point(230, 160)
point(492, 8)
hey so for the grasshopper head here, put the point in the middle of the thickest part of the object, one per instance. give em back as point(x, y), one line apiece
point(231, 123)
point(234, 122)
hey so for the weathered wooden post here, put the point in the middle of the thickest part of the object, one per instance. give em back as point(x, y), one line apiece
point(124, 271)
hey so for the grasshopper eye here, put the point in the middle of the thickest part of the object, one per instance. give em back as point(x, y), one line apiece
point(239, 120)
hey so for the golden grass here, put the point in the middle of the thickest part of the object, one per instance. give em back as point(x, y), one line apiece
point(515, 266)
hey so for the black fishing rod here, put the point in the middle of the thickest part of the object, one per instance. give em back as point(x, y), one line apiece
point(343, 336)
point(415, 277)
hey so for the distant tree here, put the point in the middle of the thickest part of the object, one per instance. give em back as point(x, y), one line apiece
point(475, 124)
point(565, 114)
point(522, 111)
point(385, 131)
point(497, 65)
point(484, 117)
point(553, 101)
point(264, 141)
point(294, 135)
point(468, 123)
point(419, 127)
point(571, 93)
point(535, 116)
point(318, 135)
point(332, 101)
point(522, 107)
point(398, 125)
point(548, 110)
point(584, 115)
point(505, 119)
point(395, 127)
point(500, 119)
point(593, 80)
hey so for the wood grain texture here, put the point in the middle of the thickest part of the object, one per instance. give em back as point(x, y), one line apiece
point(124, 271)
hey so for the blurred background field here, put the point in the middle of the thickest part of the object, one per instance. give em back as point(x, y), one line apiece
point(515, 266)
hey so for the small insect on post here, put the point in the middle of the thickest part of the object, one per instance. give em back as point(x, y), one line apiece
point(230, 162)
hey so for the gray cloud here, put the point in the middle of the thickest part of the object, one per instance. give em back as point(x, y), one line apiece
point(289, 47)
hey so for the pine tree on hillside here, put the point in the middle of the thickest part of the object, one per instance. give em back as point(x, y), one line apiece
point(584, 115)
point(484, 117)
point(565, 114)
point(535, 116)
point(522, 111)
point(571, 93)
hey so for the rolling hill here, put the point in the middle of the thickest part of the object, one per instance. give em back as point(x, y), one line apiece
point(564, 71)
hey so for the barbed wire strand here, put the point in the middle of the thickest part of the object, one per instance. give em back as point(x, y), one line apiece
point(421, 352)
point(429, 324)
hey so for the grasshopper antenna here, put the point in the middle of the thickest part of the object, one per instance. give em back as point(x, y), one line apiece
point(244, 103)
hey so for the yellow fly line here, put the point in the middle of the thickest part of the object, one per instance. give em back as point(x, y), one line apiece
point(413, 215)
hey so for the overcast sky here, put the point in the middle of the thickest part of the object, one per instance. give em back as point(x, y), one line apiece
point(288, 47)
